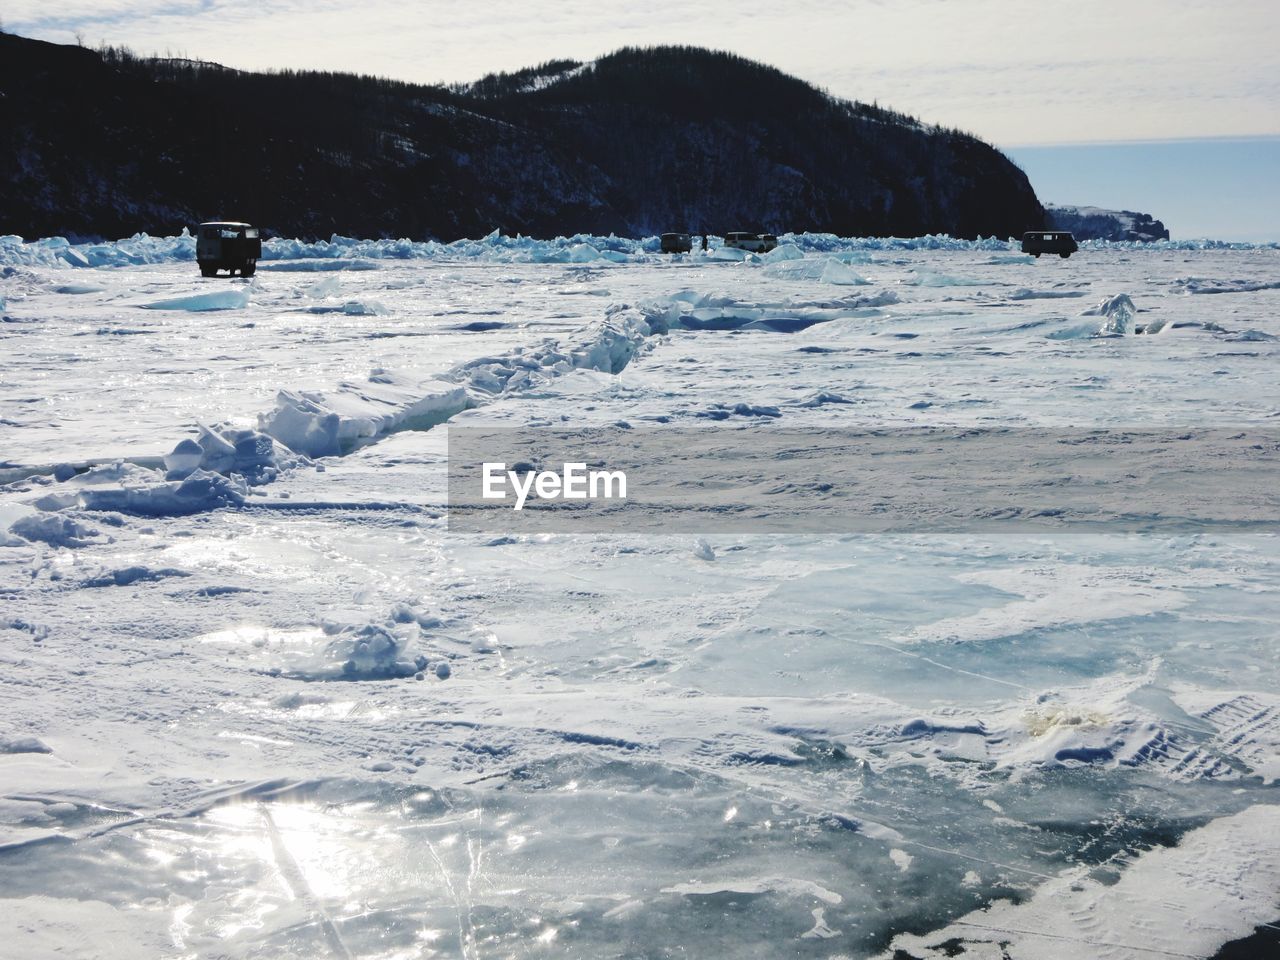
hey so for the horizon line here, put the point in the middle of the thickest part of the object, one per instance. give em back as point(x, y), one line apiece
point(1145, 141)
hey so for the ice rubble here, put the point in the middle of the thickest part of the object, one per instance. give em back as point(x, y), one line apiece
point(53, 529)
point(216, 468)
point(365, 652)
point(341, 647)
point(353, 308)
point(1094, 724)
point(714, 312)
point(334, 422)
point(348, 253)
point(1100, 724)
point(149, 496)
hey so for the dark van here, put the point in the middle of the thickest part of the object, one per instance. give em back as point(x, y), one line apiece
point(676, 243)
point(227, 245)
point(1036, 242)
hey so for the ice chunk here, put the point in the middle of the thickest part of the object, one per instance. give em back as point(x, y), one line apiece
point(1024, 293)
point(833, 271)
point(10, 513)
point(367, 652)
point(1118, 311)
point(302, 423)
point(184, 458)
point(255, 456)
point(219, 454)
point(931, 278)
point(311, 266)
point(53, 529)
point(802, 269)
point(330, 423)
point(784, 251)
point(217, 300)
point(582, 253)
point(324, 288)
point(23, 745)
point(364, 308)
point(822, 398)
point(199, 492)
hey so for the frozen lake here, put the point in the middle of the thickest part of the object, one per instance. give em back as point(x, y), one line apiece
point(299, 717)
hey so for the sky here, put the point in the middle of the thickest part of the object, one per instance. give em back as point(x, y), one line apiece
point(1224, 188)
point(1017, 74)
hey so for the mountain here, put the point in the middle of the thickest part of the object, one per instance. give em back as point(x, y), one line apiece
point(643, 140)
point(1094, 223)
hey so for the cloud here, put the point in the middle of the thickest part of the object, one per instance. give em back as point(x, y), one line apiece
point(1011, 72)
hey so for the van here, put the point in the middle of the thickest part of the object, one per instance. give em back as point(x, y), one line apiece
point(676, 243)
point(1036, 242)
point(227, 245)
point(753, 242)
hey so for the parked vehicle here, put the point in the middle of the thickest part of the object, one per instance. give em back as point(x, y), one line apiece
point(676, 243)
point(753, 242)
point(226, 245)
point(1036, 242)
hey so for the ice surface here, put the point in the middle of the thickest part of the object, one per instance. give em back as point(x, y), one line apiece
point(225, 563)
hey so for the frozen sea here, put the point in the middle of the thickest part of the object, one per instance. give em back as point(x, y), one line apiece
point(259, 700)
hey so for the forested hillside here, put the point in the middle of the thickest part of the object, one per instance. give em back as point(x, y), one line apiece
point(102, 142)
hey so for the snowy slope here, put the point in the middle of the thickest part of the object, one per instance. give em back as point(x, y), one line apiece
point(1095, 223)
